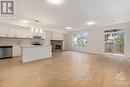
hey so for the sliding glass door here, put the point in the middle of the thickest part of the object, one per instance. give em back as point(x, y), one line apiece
point(114, 41)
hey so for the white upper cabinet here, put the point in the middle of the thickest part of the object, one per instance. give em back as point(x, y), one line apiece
point(11, 31)
point(29, 34)
point(22, 32)
point(3, 30)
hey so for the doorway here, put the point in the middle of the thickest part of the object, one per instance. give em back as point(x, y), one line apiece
point(115, 41)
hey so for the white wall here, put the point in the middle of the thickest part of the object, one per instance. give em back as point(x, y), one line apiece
point(94, 45)
point(96, 39)
point(57, 36)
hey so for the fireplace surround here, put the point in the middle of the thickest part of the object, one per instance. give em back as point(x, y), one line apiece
point(57, 45)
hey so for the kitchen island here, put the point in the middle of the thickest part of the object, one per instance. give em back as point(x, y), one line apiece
point(35, 53)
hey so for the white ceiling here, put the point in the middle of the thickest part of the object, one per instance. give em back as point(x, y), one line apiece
point(73, 13)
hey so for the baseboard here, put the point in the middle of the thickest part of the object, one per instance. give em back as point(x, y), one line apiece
point(86, 52)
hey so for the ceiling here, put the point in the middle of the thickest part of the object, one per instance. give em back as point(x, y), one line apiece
point(72, 13)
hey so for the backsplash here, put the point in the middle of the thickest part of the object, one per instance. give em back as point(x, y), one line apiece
point(18, 42)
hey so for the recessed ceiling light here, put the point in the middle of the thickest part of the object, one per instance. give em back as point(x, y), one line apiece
point(91, 23)
point(24, 21)
point(68, 28)
point(55, 2)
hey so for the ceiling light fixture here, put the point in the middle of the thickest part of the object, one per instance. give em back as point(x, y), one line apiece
point(40, 30)
point(91, 23)
point(55, 2)
point(24, 21)
point(32, 29)
point(36, 30)
point(68, 28)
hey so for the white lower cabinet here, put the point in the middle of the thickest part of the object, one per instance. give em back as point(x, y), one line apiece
point(16, 51)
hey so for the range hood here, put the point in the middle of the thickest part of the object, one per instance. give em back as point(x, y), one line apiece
point(35, 43)
point(39, 37)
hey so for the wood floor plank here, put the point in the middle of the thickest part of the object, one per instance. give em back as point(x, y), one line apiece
point(66, 69)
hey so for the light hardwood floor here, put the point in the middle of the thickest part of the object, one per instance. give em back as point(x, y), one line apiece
point(66, 69)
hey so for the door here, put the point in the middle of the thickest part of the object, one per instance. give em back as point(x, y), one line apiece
point(115, 41)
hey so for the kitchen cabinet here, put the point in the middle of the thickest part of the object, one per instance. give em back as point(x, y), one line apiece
point(11, 31)
point(20, 32)
point(3, 31)
point(35, 53)
point(23, 33)
point(28, 34)
point(16, 51)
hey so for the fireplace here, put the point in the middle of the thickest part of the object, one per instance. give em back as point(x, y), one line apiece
point(57, 45)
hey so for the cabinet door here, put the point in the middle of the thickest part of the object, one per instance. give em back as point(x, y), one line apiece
point(28, 34)
point(11, 31)
point(24, 33)
point(3, 31)
point(44, 35)
point(20, 33)
point(16, 51)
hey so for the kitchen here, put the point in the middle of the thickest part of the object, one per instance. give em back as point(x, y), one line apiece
point(28, 43)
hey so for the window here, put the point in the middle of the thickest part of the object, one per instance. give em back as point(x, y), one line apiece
point(80, 39)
